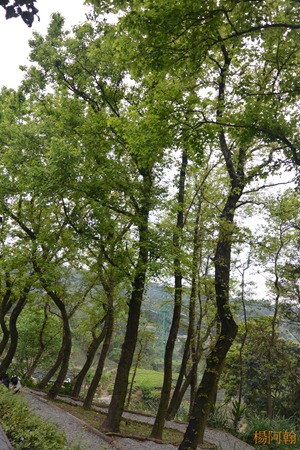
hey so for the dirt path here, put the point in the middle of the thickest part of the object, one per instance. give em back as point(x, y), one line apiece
point(86, 438)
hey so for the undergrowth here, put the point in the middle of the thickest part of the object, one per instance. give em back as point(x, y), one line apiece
point(24, 429)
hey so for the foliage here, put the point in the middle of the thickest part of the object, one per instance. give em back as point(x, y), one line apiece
point(15, 8)
point(29, 327)
point(256, 423)
point(218, 418)
point(257, 369)
point(24, 429)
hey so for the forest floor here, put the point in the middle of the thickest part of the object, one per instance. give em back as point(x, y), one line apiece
point(80, 428)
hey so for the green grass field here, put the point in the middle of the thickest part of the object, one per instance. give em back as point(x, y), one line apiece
point(149, 378)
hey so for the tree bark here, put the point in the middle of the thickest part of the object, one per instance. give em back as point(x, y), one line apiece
point(178, 391)
point(158, 426)
point(66, 346)
point(6, 304)
point(91, 352)
point(138, 359)
point(109, 325)
point(13, 331)
point(41, 349)
point(52, 371)
point(116, 407)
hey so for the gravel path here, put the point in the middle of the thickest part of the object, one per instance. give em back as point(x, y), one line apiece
point(74, 429)
point(4, 443)
point(86, 438)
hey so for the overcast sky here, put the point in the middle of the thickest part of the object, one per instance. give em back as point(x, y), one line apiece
point(14, 35)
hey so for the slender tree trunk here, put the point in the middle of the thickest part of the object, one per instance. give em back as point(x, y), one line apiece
point(13, 331)
point(158, 426)
point(273, 332)
point(193, 385)
point(116, 407)
point(52, 371)
point(109, 325)
point(91, 352)
point(66, 346)
point(178, 393)
point(41, 349)
point(138, 360)
point(6, 304)
point(62, 361)
point(207, 390)
point(109, 288)
point(237, 416)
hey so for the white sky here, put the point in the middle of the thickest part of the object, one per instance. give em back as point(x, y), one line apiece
point(14, 35)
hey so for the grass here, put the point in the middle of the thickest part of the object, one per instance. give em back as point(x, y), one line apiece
point(128, 427)
point(149, 378)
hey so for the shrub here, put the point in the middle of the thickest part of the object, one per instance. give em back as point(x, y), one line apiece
point(150, 399)
point(218, 418)
point(24, 429)
point(256, 424)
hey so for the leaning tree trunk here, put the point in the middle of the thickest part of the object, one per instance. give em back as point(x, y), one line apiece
point(207, 390)
point(109, 288)
point(109, 326)
point(91, 352)
point(52, 371)
point(62, 360)
point(42, 346)
point(66, 346)
point(136, 365)
point(159, 423)
point(206, 393)
point(6, 304)
point(13, 331)
point(116, 407)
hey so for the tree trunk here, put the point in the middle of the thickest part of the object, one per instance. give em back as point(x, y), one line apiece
point(52, 371)
point(6, 304)
point(41, 349)
point(93, 347)
point(158, 426)
point(207, 390)
point(116, 407)
point(178, 392)
point(237, 416)
point(109, 325)
point(138, 360)
point(66, 346)
point(13, 331)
